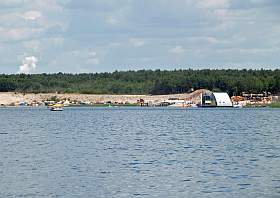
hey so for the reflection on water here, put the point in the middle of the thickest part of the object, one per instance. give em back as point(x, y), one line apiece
point(139, 152)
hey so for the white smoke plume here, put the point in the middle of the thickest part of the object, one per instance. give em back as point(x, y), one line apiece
point(29, 65)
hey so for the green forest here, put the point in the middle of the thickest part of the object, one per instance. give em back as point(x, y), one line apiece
point(145, 82)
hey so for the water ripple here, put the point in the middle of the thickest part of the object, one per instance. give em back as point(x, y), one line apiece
point(139, 152)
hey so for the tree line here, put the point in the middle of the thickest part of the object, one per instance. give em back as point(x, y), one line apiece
point(145, 82)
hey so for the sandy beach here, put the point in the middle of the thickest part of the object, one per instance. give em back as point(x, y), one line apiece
point(15, 98)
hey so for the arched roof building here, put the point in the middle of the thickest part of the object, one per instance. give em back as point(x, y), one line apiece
point(222, 100)
point(215, 99)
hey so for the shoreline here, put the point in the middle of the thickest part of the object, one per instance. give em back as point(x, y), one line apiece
point(14, 99)
point(102, 100)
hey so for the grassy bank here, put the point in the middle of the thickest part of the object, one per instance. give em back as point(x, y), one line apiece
point(275, 105)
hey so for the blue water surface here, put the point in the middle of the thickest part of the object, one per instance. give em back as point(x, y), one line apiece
point(139, 152)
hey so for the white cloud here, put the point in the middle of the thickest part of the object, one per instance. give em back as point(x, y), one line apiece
point(92, 54)
point(18, 33)
point(33, 46)
point(136, 42)
point(94, 61)
point(212, 40)
point(29, 65)
point(32, 15)
point(213, 4)
point(115, 44)
point(177, 50)
point(261, 51)
point(112, 21)
point(50, 29)
point(57, 41)
point(46, 5)
point(92, 58)
point(10, 3)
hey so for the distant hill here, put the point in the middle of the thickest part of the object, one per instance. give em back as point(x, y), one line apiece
point(145, 82)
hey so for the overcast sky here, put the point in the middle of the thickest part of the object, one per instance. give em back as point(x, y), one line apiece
point(105, 35)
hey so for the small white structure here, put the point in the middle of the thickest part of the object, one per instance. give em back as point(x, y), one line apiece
point(223, 100)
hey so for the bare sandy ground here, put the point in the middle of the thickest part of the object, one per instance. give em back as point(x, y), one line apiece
point(8, 98)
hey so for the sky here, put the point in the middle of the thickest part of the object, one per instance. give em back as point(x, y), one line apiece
point(80, 36)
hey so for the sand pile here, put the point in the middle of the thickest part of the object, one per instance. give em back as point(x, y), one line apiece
point(16, 98)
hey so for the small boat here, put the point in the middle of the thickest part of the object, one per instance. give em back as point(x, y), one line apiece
point(237, 105)
point(56, 107)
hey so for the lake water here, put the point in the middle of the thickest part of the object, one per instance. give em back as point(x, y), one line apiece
point(139, 152)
